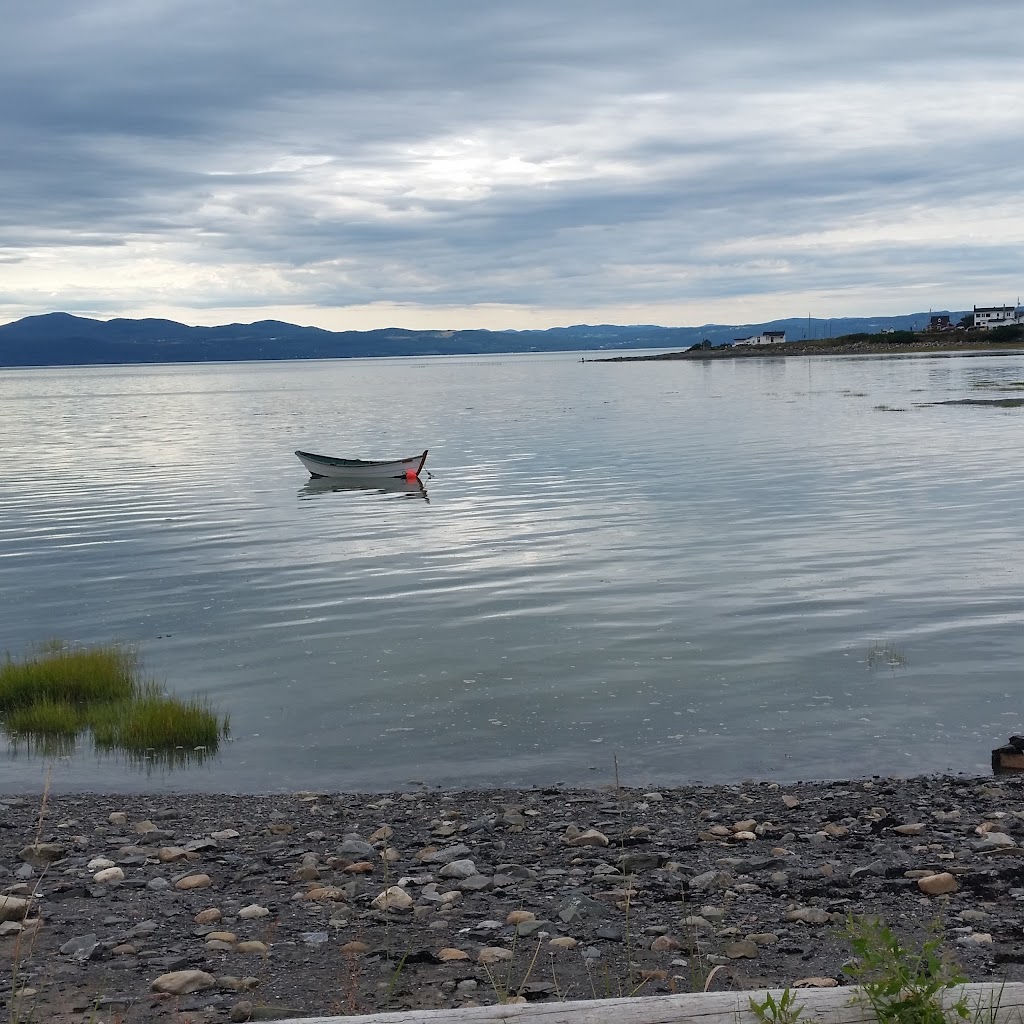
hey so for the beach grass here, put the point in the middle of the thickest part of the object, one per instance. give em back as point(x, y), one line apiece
point(157, 721)
point(59, 692)
point(71, 675)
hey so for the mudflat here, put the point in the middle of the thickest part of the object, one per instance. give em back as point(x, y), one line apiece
point(216, 908)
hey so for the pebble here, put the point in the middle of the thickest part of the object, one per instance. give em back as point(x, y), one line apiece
point(252, 912)
point(199, 881)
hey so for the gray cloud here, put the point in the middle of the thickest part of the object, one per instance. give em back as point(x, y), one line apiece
point(179, 155)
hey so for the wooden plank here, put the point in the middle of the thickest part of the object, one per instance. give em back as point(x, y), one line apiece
point(820, 1006)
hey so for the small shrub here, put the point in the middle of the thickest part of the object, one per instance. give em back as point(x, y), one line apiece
point(902, 985)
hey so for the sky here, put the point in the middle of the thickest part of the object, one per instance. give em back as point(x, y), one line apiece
point(445, 164)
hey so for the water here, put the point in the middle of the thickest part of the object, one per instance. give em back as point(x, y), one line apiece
point(775, 568)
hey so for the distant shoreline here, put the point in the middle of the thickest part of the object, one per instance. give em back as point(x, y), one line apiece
point(928, 346)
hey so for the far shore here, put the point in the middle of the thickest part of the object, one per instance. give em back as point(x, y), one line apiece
point(934, 346)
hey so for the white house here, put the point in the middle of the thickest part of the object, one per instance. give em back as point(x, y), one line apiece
point(767, 338)
point(988, 317)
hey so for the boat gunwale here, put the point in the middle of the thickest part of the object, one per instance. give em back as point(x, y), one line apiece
point(330, 460)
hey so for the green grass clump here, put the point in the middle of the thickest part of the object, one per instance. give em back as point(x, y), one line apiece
point(52, 717)
point(156, 722)
point(69, 675)
point(59, 692)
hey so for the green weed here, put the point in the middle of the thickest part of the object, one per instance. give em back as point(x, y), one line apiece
point(902, 985)
point(777, 1011)
point(58, 692)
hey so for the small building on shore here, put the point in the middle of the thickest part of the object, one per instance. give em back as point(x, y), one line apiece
point(765, 338)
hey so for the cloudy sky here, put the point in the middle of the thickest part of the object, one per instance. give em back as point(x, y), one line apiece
point(458, 163)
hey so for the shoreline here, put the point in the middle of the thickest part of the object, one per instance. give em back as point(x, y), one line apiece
point(274, 901)
point(827, 348)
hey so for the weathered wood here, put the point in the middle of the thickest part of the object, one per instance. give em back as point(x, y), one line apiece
point(820, 1006)
point(1007, 759)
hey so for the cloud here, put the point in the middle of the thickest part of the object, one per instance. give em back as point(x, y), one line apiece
point(401, 156)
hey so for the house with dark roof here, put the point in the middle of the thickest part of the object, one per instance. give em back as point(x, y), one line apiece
point(987, 318)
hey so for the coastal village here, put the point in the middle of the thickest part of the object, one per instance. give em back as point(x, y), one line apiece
point(983, 318)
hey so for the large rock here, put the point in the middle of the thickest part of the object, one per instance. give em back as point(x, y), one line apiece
point(181, 983)
point(936, 885)
point(392, 898)
point(41, 854)
point(458, 869)
point(13, 908)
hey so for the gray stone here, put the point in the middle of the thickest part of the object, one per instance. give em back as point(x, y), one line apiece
point(353, 846)
point(527, 928)
point(631, 862)
point(458, 869)
point(475, 883)
point(449, 854)
point(82, 947)
point(579, 907)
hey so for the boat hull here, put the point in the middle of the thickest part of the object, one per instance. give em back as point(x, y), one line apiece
point(361, 469)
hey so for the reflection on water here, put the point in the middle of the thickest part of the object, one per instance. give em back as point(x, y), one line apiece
point(40, 747)
point(396, 485)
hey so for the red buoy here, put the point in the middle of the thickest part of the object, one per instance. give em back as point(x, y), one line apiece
point(411, 475)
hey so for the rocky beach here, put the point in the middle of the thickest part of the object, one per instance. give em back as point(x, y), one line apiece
point(218, 908)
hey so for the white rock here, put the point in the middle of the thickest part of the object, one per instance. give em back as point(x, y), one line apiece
point(114, 874)
point(254, 910)
point(392, 898)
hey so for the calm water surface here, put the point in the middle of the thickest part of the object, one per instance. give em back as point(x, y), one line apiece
point(707, 571)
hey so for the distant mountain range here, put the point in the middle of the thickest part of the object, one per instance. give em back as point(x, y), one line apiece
point(60, 339)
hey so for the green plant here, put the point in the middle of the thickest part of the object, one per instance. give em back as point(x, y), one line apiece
point(777, 1011)
point(56, 673)
point(901, 984)
point(58, 692)
point(156, 722)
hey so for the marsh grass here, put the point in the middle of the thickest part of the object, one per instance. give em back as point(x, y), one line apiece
point(58, 692)
point(157, 721)
point(48, 717)
point(58, 674)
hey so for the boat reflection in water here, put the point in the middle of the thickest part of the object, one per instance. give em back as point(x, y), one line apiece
point(394, 485)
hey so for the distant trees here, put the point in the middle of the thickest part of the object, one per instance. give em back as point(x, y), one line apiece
point(966, 322)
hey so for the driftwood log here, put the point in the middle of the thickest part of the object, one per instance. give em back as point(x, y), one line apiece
point(996, 1004)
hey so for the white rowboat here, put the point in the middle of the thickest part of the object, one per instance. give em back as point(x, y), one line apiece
point(362, 469)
